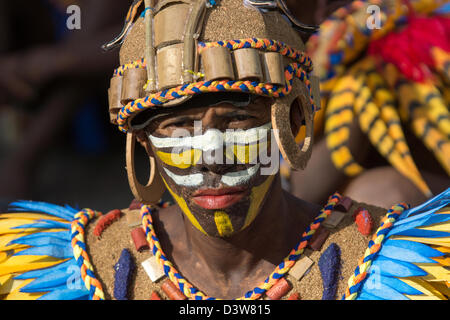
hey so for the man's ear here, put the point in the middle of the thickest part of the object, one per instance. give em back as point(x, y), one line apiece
point(314, 12)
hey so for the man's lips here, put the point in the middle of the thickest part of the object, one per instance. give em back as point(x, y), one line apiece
point(218, 198)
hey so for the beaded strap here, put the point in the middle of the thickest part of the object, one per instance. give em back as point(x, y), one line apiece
point(299, 69)
point(193, 293)
point(78, 225)
point(357, 279)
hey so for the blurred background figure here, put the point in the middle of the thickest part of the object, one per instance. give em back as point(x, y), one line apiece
point(383, 134)
point(55, 140)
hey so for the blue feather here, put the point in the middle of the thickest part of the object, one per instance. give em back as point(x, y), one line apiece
point(43, 272)
point(63, 235)
point(66, 294)
point(66, 212)
point(420, 233)
point(434, 202)
point(367, 296)
point(43, 241)
point(382, 291)
point(52, 251)
point(421, 248)
point(422, 216)
point(48, 282)
point(44, 224)
point(399, 285)
point(395, 268)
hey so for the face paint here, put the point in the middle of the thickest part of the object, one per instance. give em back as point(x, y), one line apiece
point(218, 199)
point(239, 177)
point(188, 180)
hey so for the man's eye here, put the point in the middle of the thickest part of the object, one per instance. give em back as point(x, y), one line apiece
point(241, 117)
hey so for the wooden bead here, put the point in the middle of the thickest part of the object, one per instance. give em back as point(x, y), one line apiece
point(248, 64)
point(334, 219)
point(217, 64)
point(172, 291)
point(279, 290)
point(272, 65)
point(114, 98)
point(344, 204)
point(318, 239)
point(169, 66)
point(140, 242)
point(133, 83)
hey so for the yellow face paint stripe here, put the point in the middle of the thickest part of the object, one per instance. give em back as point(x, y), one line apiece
point(182, 203)
point(223, 224)
point(181, 160)
point(256, 198)
point(245, 153)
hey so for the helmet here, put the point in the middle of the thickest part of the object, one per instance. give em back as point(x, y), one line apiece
point(178, 50)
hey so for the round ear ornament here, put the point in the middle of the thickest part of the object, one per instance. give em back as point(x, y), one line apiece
point(152, 192)
point(297, 157)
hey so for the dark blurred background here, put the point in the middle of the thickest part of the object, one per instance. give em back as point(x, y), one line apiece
point(56, 142)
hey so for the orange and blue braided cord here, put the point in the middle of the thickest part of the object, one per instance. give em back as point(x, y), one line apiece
point(280, 271)
point(78, 226)
point(299, 69)
point(357, 279)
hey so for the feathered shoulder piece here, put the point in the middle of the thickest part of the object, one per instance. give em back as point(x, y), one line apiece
point(42, 253)
point(409, 255)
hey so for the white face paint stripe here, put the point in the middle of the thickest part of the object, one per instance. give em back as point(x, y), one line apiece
point(237, 178)
point(189, 180)
point(231, 179)
point(214, 139)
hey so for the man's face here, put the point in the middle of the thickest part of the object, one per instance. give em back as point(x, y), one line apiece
point(217, 162)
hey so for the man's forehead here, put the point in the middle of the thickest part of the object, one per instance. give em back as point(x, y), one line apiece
point(237, 99)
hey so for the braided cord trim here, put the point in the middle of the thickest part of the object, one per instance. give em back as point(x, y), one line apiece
point(78, 225)
point(357, 279)
point(138, 64)
point(299, 69)
point(193, 293)
point(262, 44)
